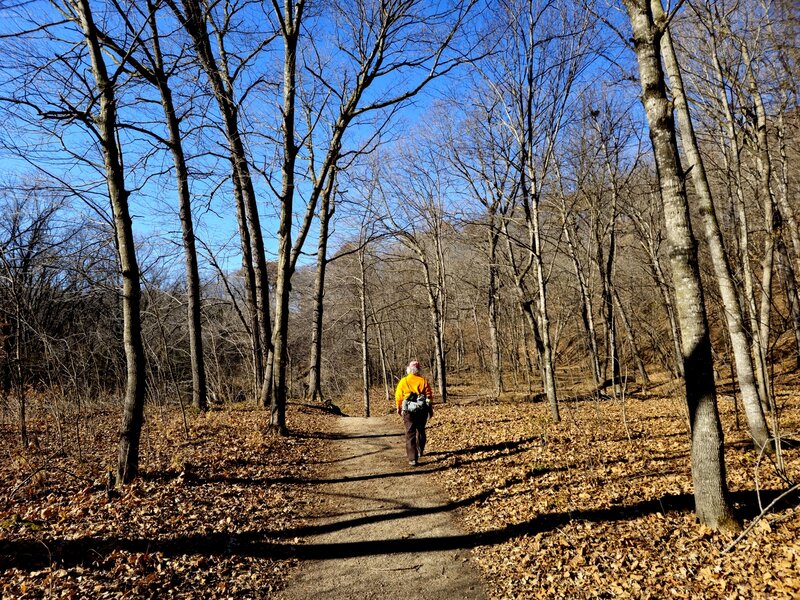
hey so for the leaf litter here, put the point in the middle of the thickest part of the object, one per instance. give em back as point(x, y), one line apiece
point(208, 517)
point(598, 506)
point(584, 509)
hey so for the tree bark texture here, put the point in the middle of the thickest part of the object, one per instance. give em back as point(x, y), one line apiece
point(708, 466)
point(314, 393)
point(194, 316)
point(732, 308)
point(106, 123)
point(291, 17)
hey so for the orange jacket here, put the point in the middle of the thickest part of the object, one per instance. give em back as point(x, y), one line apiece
point(412, 383)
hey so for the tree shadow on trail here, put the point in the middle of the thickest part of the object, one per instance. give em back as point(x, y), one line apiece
point(33, 554)
point(325, 435)
point(410, 511)
point(433, 462)
point(436, 462)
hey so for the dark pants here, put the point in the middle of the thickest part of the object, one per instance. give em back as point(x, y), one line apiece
point(415, 433)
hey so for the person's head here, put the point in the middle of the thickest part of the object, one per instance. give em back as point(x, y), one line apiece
point(413, 367)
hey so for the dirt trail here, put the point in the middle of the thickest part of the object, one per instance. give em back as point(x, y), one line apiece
point(382, 529)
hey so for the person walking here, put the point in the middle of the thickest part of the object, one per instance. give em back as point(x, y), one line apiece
point(414, 403)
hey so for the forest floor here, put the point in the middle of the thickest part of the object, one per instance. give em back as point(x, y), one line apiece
point(598, 505)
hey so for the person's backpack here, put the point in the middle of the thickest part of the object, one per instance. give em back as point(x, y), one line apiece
point(414, 403)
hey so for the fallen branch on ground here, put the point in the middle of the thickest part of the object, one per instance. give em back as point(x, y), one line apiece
point(763, 513)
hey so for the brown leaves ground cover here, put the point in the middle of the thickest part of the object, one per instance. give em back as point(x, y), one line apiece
point(600, 505)
point(210, 516)
point(597, 506)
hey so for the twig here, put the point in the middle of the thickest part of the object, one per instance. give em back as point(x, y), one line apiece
point(730, 546)
point(45, 467)
point(623, 390)
point(24, 481)
point(71, 474)
point(758, 484)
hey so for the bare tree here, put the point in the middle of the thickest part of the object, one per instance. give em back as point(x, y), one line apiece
point(28, 289)
point(764, 171)
point(91, 102)
point(610, 136)
point(418, 218)
point(708, 464)
point(151, 67)
point(363, 300)
point(532, 77)
point(382, 41)
point(732, 156)
point(196, 19)
point(650, 234)
point(731, 307)
point(326, 210)
point(480, 157)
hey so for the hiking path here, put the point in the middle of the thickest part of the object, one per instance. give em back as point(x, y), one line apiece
point(379, 527)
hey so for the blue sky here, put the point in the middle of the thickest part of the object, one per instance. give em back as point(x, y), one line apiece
point(154, 200)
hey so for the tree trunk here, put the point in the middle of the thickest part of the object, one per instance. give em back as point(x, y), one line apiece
point(290, 26)
point(362, 292)
point(733, 158)
point(18, 375)
point(606, 268)
point(791, 269)
point(251, 301)
point(789, 284)
point(764, 166)
point(708, 465)
point(526, 305)
point(441, 299)
point(637, 357)
point(387, 388)
point(314, 393)
point(543, 320)
point(479, 345)
point(435, 311)
point(669, 307)
point(587, 316)
point(719, 258)
point(524, 309)
point(491, 301)
point(106, 122)
point(194, 316)
point(193, 21)
point(527, 325)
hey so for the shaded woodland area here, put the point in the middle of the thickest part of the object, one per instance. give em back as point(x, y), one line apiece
point(211, 213)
